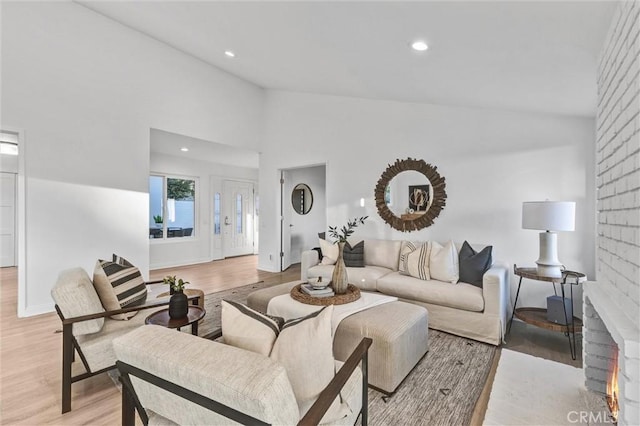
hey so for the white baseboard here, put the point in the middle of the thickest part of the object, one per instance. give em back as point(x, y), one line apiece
point(175, 265)
point(267, 268)
point(31, 311)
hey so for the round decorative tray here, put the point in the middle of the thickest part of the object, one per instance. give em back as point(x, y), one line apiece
point(352, 294)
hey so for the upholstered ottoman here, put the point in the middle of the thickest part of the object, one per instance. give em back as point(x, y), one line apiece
point(399, 331)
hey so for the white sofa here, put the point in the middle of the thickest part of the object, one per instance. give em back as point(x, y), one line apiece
point(462, 309)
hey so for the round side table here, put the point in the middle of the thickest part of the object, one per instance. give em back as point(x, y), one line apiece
point(538, 316)
point(161, 317)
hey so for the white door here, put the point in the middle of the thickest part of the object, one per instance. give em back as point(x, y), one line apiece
point(238, 218)
point(285, 220)
point(7, 219)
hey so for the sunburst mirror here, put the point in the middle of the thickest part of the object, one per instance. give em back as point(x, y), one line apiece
point(410, 194)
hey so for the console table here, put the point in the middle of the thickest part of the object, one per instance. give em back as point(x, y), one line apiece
point(538, 316)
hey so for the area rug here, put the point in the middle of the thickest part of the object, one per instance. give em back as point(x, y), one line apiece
point(528, 390)
point(441, 390)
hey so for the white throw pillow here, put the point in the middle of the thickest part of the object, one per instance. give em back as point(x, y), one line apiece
point(443, 262)
point(304, 346)
point(329, 252)
point(414, 260)
point(305, 349)
point(248, 329)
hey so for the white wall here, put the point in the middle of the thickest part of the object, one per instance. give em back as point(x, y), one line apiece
point(86, 90)
point(304, 232)
point(209, 177)
point(492, 161)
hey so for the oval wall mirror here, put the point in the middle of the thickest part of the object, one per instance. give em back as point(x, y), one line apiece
point(410, 194)
point(302, 198)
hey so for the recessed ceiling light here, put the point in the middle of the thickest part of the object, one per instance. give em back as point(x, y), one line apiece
point(184, 149)
point(419, 46)
point(230, 53)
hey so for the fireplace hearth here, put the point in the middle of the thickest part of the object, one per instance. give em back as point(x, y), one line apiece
point(611, 353)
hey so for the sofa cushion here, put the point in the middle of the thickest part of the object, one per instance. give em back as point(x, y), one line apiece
point(75, 296)
point(474, 264)
point(443, 262)
point(330, 252)
point(462, 296)
point(305, 349)
point(385, 253)
point(353, 255)
point(119, 286)
point(97, 348)
point(363, 278)
point(414, 260)
point(248, 329)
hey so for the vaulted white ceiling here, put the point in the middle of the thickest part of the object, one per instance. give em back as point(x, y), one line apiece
point(532, 56)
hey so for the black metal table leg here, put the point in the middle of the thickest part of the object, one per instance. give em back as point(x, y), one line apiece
point(514, 307)
point(572, 333)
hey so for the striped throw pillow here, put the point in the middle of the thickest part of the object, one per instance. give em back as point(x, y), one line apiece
point(414, 260)
point(119, 286)
point(120, 260)
point(249, 329)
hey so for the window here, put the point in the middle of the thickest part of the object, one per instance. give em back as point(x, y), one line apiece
point(239, 214)
point(171, 207)
point(216, 213)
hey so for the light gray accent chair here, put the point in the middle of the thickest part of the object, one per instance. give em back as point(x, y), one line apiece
point(88, 329)
point(177, 378)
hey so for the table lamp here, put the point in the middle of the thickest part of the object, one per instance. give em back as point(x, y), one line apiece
point(549, 216)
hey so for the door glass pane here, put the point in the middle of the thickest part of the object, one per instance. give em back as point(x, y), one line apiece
point(181, 196)
point(156, 214)
point(239, 214)
point(216, 213)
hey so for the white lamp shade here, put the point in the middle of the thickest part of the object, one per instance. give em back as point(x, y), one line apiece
point(549, 215)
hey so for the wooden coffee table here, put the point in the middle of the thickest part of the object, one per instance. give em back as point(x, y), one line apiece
point(161, 317)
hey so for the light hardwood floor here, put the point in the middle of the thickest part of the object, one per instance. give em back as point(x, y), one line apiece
point(31, 350)
point(31, 356)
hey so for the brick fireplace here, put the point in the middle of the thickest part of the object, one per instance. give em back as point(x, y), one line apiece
point(610, 333)
point(612, 303)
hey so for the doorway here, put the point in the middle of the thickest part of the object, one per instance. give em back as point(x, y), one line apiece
point(8, 201)
point(299, 228)
point(9, 149)
point(238, 220)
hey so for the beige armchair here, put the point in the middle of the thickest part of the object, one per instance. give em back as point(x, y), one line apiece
point(88, 329)
point(176, 378)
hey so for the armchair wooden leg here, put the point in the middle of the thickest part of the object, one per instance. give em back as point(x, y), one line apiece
point(128, 407)
point(67, 360)
point(364, 420)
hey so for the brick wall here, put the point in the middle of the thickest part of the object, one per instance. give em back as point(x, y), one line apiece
point(617, 290)
point(618, 159)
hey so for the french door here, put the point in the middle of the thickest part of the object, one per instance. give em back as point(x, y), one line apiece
point(238, 218)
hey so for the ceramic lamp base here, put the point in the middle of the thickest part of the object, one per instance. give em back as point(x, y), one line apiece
point(548, 263)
